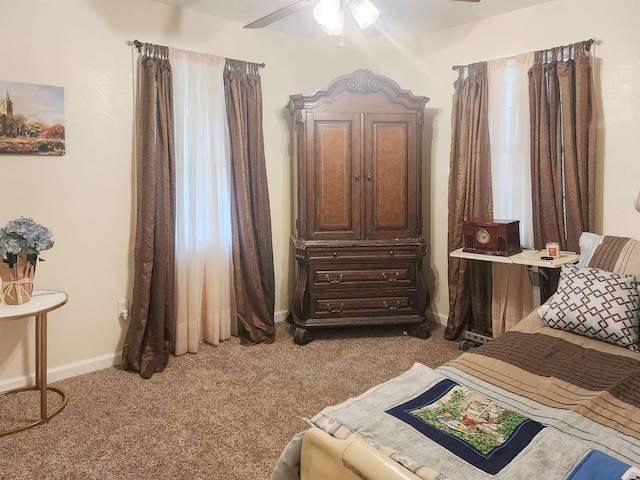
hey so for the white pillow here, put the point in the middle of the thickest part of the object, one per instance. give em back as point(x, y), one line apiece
point(596, 303)
point(588, 244)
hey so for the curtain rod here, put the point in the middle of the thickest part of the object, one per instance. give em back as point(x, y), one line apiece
point(587, 47)
point(138, 44)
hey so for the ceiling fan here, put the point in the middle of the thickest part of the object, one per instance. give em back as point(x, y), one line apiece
point(330, 15)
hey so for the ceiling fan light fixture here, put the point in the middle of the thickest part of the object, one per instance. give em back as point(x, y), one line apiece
point(364, 12)
point(330, 15)
point(336, 27)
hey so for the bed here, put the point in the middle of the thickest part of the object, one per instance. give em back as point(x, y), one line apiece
point(555, 397)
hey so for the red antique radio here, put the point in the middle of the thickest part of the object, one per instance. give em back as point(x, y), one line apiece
point(491, 236)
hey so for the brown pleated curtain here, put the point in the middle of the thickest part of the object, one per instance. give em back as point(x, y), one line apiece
point(469, 197)
point(253, 272)
point(152, 314)
point(563, 145)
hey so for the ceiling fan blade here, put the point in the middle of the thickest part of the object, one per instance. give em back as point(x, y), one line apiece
point(281, 13)
point(377, 28)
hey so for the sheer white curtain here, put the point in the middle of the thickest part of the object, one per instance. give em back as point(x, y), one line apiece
point(509, 131)
point(205, 304)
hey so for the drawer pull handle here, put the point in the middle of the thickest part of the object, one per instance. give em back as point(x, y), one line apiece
point(391, 253)
point(335, 254)
point(357, 176)
point(391, 279)
point(391, 307)
point(335, 280)
point(335, 310)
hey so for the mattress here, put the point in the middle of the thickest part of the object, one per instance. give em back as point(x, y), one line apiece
point(534, 403)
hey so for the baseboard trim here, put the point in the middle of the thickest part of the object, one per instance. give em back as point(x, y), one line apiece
point(87, 366)
point(441, 318)
point(280, 316)
point(66, 371)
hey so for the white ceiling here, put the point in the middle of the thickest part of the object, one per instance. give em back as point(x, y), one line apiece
point(402, 16)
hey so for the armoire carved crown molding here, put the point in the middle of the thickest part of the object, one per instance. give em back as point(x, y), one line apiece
point(361, 81)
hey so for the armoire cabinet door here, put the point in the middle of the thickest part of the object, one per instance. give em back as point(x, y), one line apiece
point(391, 186)
point(334, 178)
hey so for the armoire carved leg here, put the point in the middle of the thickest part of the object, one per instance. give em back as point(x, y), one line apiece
point(420, 330)
point(302, 336)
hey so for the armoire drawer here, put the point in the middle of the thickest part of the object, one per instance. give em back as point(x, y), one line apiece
point(326, 275)
point(389, 252)
point(360, 305)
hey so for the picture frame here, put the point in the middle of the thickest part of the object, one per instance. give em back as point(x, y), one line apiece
point(31, 119)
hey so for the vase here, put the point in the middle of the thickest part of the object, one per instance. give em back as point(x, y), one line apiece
point(17, 281)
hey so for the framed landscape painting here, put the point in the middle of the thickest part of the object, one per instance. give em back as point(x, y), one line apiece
point(31, 119)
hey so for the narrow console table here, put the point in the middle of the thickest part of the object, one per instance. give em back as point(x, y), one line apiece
point(528, 257)
point(42, 302)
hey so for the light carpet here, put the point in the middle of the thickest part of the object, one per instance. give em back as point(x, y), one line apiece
point(226, 412)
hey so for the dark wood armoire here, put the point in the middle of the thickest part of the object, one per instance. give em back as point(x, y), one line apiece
point(358, 231)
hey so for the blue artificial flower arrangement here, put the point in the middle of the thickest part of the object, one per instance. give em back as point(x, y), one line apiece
point(26, 236)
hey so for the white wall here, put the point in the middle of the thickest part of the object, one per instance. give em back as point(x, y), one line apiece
point(87, 196)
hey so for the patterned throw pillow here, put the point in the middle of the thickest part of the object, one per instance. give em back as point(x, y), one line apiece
point(597, 304)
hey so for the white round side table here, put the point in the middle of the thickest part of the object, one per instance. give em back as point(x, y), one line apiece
point(42, 302)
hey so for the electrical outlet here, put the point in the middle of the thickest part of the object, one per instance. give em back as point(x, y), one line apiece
point(123, 309)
